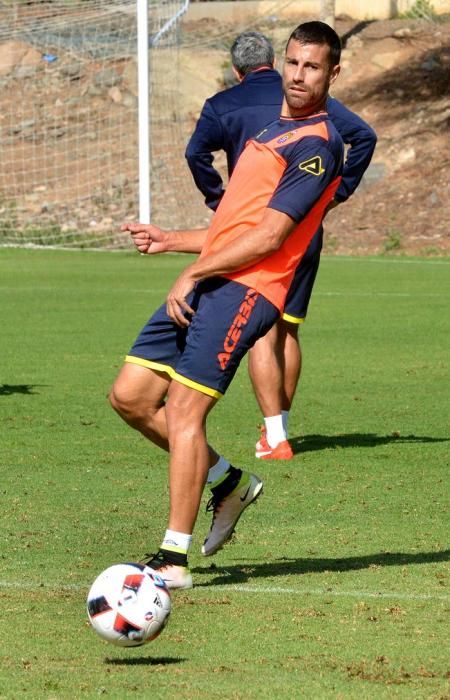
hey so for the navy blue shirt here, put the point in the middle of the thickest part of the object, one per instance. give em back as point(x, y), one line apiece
point(231, 117)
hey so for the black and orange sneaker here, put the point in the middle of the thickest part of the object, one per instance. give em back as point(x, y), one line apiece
point(172, 567)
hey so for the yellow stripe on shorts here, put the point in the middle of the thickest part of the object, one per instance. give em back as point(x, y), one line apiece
point(292, 319)
point(150, 364)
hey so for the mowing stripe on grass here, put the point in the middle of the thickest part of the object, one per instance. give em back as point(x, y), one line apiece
point(155, 290)
point(383, 261)
point(407, 295)
point(72, 288)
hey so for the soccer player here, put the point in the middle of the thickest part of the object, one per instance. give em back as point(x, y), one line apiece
point(189, 351)
point(227, 121)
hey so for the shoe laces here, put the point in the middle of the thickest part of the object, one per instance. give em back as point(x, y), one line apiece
point(221, 492)
point(213, 504)
point(154, 561)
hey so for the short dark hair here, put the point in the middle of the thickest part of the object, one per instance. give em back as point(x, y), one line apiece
point(251, 50)
point(318, 33)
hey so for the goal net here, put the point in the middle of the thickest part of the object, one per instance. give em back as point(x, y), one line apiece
point(69, 120)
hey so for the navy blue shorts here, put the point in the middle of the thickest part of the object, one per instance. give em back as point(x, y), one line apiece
point(229, 318)
point(300, 291)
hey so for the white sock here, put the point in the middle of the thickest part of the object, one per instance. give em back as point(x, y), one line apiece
point(217, 470)
point(285, 418)
point(275, 431)
point(176, 541)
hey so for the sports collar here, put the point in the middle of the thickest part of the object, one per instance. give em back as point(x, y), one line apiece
point(308, 116)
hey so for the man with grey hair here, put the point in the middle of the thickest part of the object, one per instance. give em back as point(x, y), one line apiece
point(250, 51)
point(229, 117)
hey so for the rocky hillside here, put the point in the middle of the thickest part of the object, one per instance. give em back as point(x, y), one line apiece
point(396, 75)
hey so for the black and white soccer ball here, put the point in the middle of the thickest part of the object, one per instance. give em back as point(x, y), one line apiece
point(128, 604)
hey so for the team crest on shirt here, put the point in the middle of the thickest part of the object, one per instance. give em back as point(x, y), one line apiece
point(313, 166)
point(286, 137)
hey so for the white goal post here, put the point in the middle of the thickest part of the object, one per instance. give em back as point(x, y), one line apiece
point(76, 118)
point(143, 43)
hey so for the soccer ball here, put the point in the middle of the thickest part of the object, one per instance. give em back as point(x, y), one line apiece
point(128, 604)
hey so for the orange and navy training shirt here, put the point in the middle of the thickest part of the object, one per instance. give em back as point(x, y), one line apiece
point(293, 166)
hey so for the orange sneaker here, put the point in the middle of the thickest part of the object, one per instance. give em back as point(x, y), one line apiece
point(282, 451)
point(261, 445)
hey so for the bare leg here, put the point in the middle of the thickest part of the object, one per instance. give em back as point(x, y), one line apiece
point(266, 369)
point(292, 363)
point(179, 426)
point(138, 396)
point(190, 459)
point(274, 366)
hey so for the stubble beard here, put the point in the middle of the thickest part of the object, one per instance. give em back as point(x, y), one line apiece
point(303, 104)
point(299, 105)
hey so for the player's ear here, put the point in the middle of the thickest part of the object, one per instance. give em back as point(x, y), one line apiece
point(334, 73)
point(236, 73)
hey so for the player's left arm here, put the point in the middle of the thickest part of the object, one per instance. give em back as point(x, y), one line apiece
point(361, 139)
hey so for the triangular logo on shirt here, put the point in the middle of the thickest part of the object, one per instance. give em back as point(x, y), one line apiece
point(313, 166)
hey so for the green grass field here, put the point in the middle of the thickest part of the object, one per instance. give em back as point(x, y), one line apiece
point(337, 584)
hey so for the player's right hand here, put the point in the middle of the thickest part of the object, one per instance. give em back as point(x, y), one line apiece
point(147, 238)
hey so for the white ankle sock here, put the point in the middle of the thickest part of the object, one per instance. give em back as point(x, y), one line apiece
point(176, 541)
point(275, 431)
point(285, 419)
point(217, 470)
